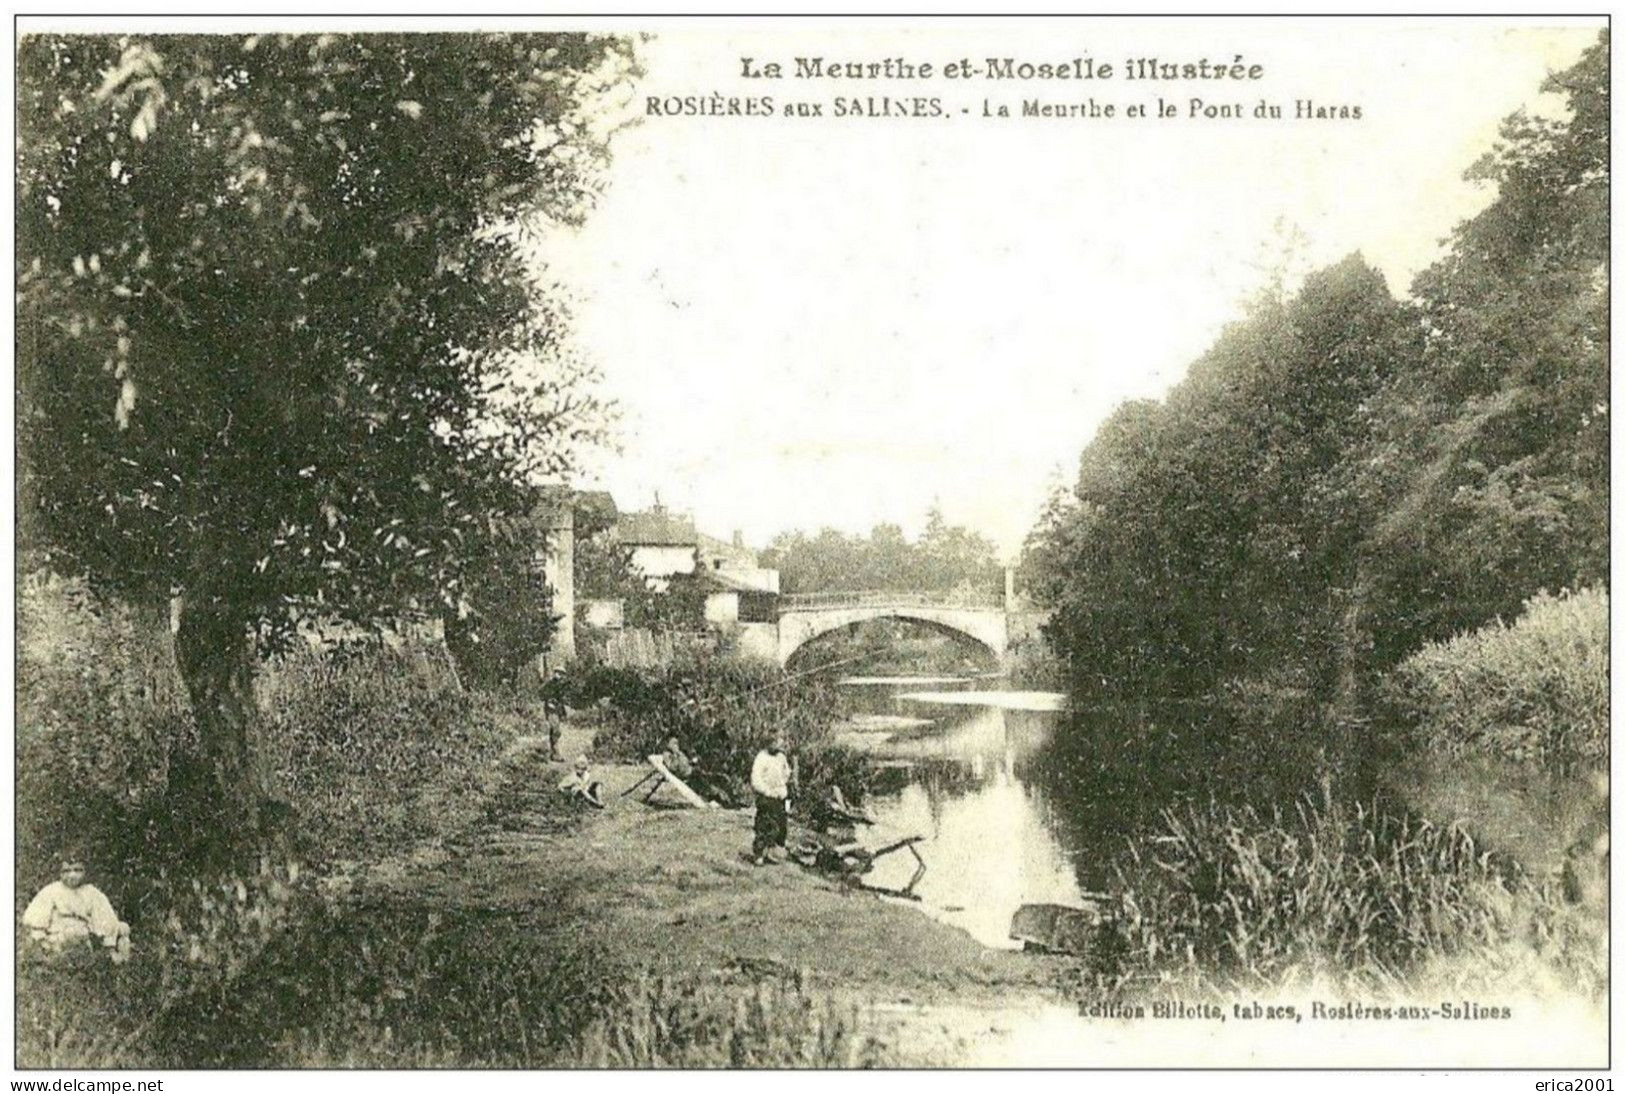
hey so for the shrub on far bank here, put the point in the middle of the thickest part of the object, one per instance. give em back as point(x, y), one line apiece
point(722, 711)
point(1534, 690)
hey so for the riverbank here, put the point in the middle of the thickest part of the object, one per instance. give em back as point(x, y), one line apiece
point(669, 891)
point(680, 881)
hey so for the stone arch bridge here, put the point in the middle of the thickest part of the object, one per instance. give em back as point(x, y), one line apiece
point(990, 621)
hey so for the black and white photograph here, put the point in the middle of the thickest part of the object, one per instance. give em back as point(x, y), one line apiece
point(752, 543)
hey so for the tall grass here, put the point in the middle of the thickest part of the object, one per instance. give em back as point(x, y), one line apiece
point(1233, 896)
point(379, 750)
point(95, 725)
point(195, 942)
point(1532, 690)
point(403, 986)
point(372, 753)
point(699, 1024)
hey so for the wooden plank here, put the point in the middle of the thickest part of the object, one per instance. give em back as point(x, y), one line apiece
point(658, 762)
point(651, 775)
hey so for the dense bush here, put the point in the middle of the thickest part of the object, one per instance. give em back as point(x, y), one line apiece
point(96, 721)
point(371, 750)
point(197, 940)
point(402, 986)
point(1535, 689)
point(722, 711)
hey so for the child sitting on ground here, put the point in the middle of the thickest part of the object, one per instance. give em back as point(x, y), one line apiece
point(580, 784)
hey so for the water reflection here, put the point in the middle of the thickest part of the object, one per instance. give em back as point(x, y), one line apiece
point(1033, 805)
point(966, 782)
point(1022, 806)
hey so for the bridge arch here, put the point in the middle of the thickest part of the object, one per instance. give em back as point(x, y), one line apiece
point(985, 627)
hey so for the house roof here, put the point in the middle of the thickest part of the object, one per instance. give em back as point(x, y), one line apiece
point(742, 581)
point(722, 548)
point(656, 528)
point(597, 499)
point(733, 582)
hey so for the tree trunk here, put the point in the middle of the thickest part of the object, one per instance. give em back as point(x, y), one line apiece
point(215, 655)
point(157, 677)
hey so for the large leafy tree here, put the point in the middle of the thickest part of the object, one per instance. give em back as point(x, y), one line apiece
point(282, 348)
point(1343, 476)
point(1495, 454)
point(1214, 535)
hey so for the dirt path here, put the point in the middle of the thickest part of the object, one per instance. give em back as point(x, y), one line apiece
point(671, 888)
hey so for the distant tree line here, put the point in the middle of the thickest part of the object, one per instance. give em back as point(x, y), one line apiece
point(1343, 476)
point(944, 557)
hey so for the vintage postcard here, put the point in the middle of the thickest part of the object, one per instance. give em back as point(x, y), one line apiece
point(811, 543)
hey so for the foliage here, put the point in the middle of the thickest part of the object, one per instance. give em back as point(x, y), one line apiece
point(678, 608)
point(283, 347)
point(1494, 459)
point(603, 564)
point(378, 750)
point(1215, 534)
point(396, 986)
point(1535, 689)
point(1342, 477)
point(275, 294)
point(722, 712)
point(506, 620)
point(944, 557)
point(695, 1024)
point(1236, 897)
point(97, 714)
point(372, 748)
point(193, 943)
point(604, 570)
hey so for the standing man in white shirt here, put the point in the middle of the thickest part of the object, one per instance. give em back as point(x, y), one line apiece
point(770, 779)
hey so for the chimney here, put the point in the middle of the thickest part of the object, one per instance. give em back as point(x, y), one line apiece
point(739, 539)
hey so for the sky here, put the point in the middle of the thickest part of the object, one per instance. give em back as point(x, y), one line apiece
point(844, 321)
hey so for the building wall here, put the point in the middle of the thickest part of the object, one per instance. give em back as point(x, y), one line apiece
point(558, 553)
point(758, 641)
point(722, 608)
point(606, 615)
point(658, 563)
point(730, 556)
point(759, 578)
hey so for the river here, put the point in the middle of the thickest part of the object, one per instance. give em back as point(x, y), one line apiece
point(1020, 801)
point(958, 766)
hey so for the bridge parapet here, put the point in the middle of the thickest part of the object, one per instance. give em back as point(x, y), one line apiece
point(832, 601)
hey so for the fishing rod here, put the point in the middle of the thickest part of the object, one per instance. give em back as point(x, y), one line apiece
point(790, 679)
